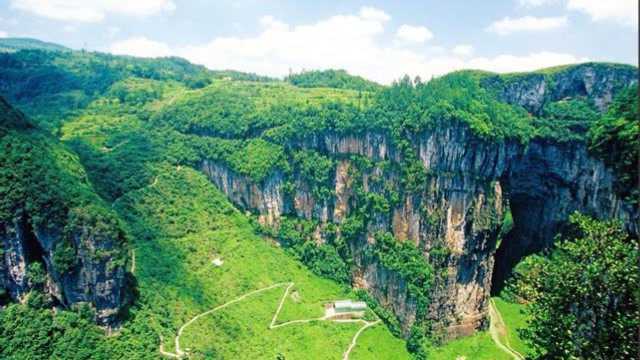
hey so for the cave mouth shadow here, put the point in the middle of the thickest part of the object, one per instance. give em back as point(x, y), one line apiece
point(33, 250)
point(532, 232)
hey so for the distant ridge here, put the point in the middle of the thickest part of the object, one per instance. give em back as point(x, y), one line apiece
point(16, 44)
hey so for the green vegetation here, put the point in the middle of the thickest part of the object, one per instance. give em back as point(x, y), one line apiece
point(479, 346)
point(371, 345)
point(515, 319)
point(338, 79)
point(50, 86)
point(615, 138)
point(583, 297)
point(139, 129)
point(456, 97)
point(15, 44)
point(317, 170)
point(330, 260)
point(240, 332)
point(174, 249)
point(409, 262)
point(33, 333)
point(566, 120)
point(43, 183)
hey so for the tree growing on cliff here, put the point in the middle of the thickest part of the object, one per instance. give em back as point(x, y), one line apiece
point(587, 302)
point(616, 139)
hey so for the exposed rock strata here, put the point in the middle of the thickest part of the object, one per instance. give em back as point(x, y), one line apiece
point(92, 279)
point(460, 207)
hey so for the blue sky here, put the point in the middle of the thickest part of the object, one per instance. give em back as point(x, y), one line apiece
point(381, 40)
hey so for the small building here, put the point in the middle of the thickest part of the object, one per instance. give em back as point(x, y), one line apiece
point(345, 306)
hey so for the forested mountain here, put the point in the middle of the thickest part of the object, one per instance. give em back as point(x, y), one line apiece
point(338, 79)
point(16, 44)
point(419, 198)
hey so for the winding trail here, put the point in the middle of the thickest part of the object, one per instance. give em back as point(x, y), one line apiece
point(345, 356)
point(497, 328)
point(179, 353)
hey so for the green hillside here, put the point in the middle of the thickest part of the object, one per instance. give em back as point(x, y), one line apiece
point(16, 44)
point(338, 79)
point(128, 136)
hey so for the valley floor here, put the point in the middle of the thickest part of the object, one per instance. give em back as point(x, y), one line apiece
point(501, 341)
point(259, 304)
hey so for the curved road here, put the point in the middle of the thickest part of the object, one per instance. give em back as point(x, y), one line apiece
point(180, 354)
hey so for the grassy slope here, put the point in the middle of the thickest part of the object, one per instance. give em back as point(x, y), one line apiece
point(481, 346)
point(477, 347)
point(190, 222)
point(514, 320)
point(373, 343)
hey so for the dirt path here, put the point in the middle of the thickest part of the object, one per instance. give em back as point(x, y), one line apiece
point(165, 353)
point(179, 353)
point(355, 338)
point(498, 329)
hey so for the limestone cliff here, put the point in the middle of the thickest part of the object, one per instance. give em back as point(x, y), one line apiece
point(454, 216)
point(55, 236)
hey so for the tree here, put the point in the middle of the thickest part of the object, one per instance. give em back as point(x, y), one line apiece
point(587, 304)
point(616, 139)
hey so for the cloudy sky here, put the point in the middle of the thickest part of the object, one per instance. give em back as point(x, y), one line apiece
point(378, 39)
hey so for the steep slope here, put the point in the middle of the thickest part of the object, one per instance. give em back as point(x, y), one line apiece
point(400, 192)
point(57, 237)
point(181, 223)
point(455, 212)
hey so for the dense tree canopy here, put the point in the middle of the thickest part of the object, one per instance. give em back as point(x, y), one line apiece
point(584, 297)
point(338, 79)
point(132, 121)
point(615, 137)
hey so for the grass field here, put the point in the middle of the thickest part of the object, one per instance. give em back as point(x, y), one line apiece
point(476, 347)
point(514, 319)
point(480, 346)
point(375, 344)
point(183, 223)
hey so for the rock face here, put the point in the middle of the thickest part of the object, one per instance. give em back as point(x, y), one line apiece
point(595, 81)
point(455, 215)
point(55, 238)
point(91, 279)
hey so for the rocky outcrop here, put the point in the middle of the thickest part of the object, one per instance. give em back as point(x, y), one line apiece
point(548, 182)
point(596, 81)
point(56, 237)
point(459, 211)
point(455, 215)
point(91, 278)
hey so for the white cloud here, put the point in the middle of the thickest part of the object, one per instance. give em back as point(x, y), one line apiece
point(341, 41)
point(625, 11)
point(413, 34)
point(3, 34)
point(352, 42)
point(69, 28)
point(528, 23)
point(463, 50)
point(140, 46)
point(271, 22)
point(533, 61)
point(92, 10)
point(370, 13)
